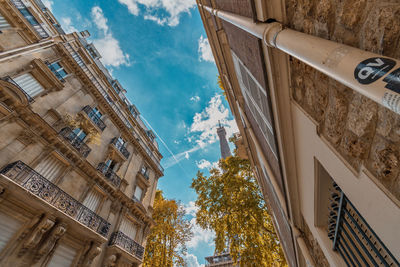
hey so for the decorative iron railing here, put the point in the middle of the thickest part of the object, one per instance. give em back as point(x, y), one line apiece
point(10, 80)
point(94, 117)
point(38, 185)
point(127, 244)
point(30, 18)
point(352, 237)
point(75, 141)
point(109, 174)
point(121, 147)
point(55, 72)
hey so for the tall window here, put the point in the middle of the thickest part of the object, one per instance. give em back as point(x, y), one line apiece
point(58, 70)
point(145, 171)
point(4, 23)
point(80, 134)
point(29, 84)
point(128, 228)
point(29, 17)
point(112, 165)
point(93, 200)
point(96, 112)
point(138, 193)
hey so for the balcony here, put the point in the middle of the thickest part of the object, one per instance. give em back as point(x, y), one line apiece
point(120, 147)
point(94, 118)
point(39, 186)
point(351, 235)
point(110, 175)
point(127, 244)
point(77, 143)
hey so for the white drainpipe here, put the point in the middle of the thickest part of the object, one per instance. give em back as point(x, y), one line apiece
point(371, 75)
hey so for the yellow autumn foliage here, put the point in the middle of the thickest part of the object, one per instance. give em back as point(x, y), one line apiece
point(230, 203)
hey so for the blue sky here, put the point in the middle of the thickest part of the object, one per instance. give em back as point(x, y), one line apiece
point(159, 52)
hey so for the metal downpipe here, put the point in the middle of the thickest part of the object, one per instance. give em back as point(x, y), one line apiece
point(372, 75)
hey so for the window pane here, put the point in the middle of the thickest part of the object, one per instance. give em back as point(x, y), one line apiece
point(138, 193)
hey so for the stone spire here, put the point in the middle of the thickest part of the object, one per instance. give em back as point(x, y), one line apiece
point(223, 143)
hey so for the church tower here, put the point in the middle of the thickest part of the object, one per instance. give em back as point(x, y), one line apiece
point(223, 143)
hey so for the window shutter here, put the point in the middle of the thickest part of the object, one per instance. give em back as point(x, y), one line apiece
point(4, 23)
point(29, 84)
point(63, 256)
point(8, 227)
point(128, 227)
point(50, 168)
point(92, 200)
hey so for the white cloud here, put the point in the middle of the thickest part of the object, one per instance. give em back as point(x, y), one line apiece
point(195, 98)
point(206, 122)
point(205, 164)
point(200, 236)
point(66, 24)
point(108, 46)
point(192, 261)
point(153, 8)
point(205, 53)
point(48, 4)
point(191, 208)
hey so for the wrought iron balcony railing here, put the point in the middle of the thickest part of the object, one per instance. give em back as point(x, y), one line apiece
point(10, 80)
point(121, 147)
point(352, 237)
point(94, 117)
point(75, 141)
point(38, 185)
point(109, 174)
point(126, 243)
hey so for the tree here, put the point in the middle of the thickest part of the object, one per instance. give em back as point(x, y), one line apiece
point(166, 243)
point(230, 203)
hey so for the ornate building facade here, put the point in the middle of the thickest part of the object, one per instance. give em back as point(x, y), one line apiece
point(79, 168)
point(314, 89)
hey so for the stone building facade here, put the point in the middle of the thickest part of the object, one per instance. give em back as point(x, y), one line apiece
point(78, 167)
point(326, 155)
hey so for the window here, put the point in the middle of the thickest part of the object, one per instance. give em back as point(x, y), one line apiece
point(63, 256)
point(4, 23)
point(145, 171)
point(96, 112)
point(112, 165)
point(257, 100)
point(92, 200)
point(80, 134)
point(8, 227)
point(50, 168)
point(29, 84)
point(58, 70)
point(29, 17)
point(128, 228)
point(138, 193)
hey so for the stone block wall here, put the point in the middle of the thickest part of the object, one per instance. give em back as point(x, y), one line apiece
point(363, 132)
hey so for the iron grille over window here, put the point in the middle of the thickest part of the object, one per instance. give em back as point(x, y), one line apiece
point(352, 237)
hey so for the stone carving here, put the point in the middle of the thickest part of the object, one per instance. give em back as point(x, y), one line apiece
point(50, 242)
point(92, 251)
point(37, 234)
point(386, 161)
point(26, 137)
point(111, 261)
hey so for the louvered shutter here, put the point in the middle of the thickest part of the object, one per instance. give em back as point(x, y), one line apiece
point(29, 84)
point(128, 227)
point(50, 168)
point(4, 23)
point(92, 200)
point(63, 256)
point(8, 227)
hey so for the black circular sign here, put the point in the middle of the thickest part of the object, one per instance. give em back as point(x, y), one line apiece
point(370, 70)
